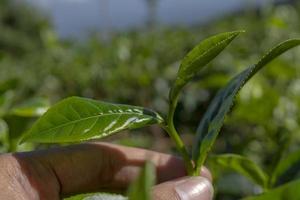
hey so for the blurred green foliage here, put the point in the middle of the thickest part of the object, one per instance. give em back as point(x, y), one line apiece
point(138, 68)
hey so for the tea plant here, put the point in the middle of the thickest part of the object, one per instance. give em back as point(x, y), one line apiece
point(78, 119)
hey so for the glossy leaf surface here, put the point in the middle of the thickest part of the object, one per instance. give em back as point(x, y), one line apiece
point(199, 57)
point(241, 165)
point(289, 191)
point(76, 119)
point(141, 187)
point(213, 119)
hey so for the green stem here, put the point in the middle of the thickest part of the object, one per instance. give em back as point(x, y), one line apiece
point(170, 128)
point(200, 163)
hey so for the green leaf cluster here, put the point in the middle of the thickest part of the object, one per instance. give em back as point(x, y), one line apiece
point(76, 119)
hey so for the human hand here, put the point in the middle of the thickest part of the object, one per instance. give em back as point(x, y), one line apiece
point(63, 171)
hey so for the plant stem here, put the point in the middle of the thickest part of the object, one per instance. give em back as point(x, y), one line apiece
point(199, 164)
point(171, 130)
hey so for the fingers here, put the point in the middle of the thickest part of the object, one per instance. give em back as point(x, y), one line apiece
point(99, 166)
point(186, 188)
point(94, 166)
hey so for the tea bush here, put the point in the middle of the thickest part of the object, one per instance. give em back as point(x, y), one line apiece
point(142, 65)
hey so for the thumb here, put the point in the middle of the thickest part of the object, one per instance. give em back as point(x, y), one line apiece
point(186, 188)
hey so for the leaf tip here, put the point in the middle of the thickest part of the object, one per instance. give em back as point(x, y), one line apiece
point(237, 32)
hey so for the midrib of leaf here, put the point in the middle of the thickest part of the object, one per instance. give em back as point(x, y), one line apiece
point(91, 117)
point(78, 119)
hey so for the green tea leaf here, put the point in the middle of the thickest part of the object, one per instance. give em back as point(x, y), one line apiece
point(287, 167)
point(213, 119)
point(32, 108)
point(141, 187)
point(200, 56)
point(242, 165)
point(288, 191)
point(97, 196)
point(76, 119)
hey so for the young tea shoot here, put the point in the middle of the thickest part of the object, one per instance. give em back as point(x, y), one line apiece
point(79, 119)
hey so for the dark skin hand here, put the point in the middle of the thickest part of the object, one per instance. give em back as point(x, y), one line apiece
point(63, 171)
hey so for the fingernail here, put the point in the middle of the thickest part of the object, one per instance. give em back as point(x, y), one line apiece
point(195, 188)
